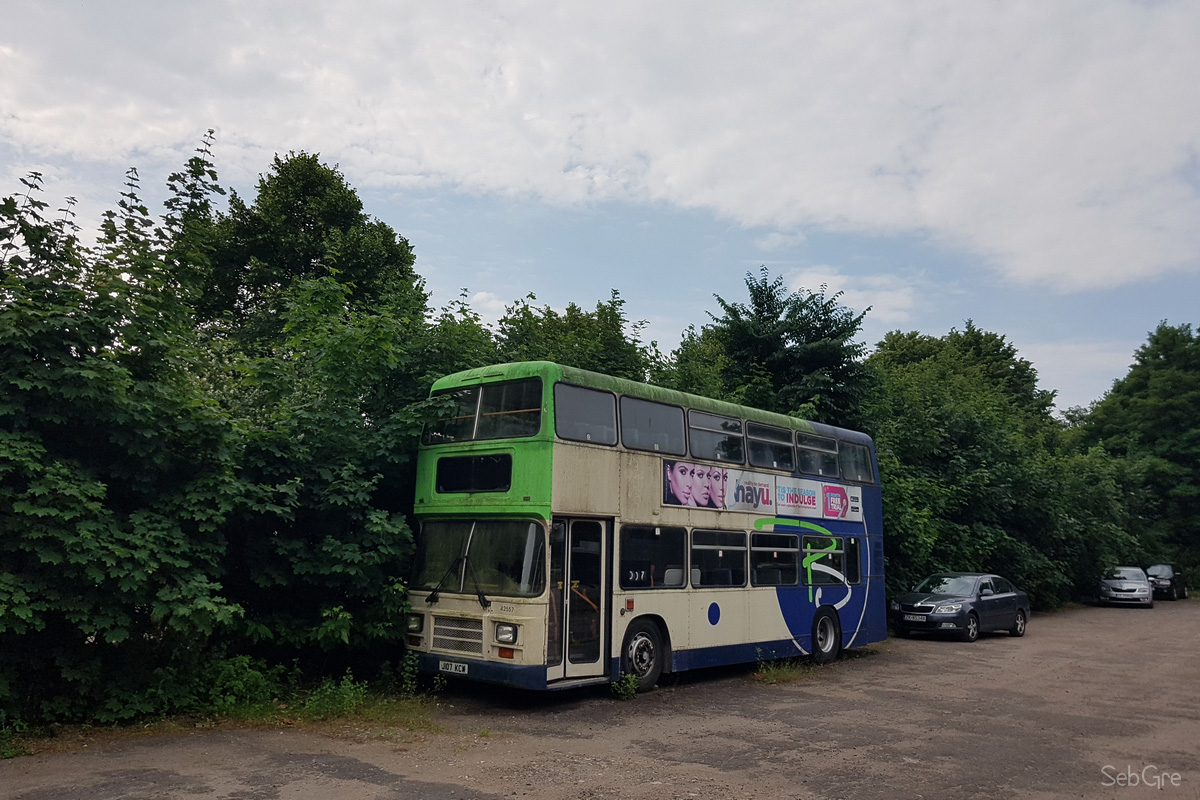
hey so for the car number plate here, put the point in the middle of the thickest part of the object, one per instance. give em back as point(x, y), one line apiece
point(914, 617)
point(452, 667)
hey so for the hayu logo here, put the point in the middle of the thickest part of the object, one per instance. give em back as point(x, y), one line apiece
point(837, 503)
point(748, 494)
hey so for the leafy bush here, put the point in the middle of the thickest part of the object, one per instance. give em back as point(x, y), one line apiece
point(334, 698)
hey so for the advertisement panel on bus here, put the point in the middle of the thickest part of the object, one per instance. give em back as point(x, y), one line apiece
point(687, 483)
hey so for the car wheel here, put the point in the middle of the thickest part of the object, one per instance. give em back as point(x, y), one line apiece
point(642, 654)
point(1185, 593)
point(971, 632)
point(1018, 628)
point(1174, 594)
point(826, 637)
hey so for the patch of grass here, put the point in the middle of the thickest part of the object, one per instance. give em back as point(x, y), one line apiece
point(802, 668)
point(334, 698)
point(624, 687)
point(785, 670)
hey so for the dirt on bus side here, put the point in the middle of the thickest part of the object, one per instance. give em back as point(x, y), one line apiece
point(1091, 703)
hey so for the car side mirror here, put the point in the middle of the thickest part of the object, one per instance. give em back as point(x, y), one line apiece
point(986, 593)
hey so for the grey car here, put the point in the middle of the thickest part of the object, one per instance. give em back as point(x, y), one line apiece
point(1125, 586)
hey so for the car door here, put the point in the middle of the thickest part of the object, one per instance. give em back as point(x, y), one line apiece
point(987, 605)
point(1006, 603)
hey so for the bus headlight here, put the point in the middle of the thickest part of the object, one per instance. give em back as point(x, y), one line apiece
point(416, 623)
point(506, 633)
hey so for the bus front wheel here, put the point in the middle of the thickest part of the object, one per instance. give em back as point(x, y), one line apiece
point(642, 655)
point(826, 637)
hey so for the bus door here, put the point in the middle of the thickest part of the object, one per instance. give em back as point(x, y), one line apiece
point(575, 648)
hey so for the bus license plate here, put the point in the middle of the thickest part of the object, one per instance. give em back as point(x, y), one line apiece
point(452, 667)
point(907, 618)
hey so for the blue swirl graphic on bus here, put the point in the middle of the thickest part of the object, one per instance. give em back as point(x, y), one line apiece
point(824, 583)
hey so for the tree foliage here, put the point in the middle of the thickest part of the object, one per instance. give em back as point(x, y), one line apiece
point(795, 353)
point(972, 479)
point(305, 223)
point(602, 340)
point(114, 464)
point(1151, 418)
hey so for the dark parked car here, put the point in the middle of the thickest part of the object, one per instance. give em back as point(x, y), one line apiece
point(1125, 586)
point(1167, 581)
point(962, 603)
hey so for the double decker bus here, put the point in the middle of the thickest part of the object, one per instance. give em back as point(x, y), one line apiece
point(575, 527)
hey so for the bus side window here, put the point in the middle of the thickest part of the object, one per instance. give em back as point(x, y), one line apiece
point(652, 557)
point(824, 561)
point(720, 557)
point(853, 560)
point(775, 557)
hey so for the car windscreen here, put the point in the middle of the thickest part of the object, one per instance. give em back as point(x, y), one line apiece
point(948, 584)
point(1126, 574)
point(1159, 571)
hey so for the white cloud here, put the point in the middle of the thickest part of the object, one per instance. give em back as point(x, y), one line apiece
point(892, 299)
point(1080, 371)
point(489, 307)
point(1053, 139)
point(777, 240)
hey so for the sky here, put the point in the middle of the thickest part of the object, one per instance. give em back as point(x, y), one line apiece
point(1031, 166)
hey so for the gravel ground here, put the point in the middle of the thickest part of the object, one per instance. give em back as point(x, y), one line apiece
point(1089, 698)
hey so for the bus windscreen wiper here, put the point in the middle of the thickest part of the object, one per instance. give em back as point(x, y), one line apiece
point(433, 596)
point(483, 601)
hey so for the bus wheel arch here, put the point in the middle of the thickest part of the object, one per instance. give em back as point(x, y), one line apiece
point(826, 635)
point(646, 651)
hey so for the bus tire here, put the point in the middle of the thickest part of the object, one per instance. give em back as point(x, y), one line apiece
point(642, 654)
point(826, 636)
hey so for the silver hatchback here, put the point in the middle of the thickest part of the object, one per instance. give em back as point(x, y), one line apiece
point(1126, 586)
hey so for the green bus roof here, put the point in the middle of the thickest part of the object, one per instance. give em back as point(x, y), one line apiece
point(552, 373)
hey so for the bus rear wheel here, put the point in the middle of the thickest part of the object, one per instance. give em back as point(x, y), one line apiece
point(826, 637)
point(642, 654)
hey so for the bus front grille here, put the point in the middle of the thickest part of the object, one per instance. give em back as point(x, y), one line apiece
point(458, 635)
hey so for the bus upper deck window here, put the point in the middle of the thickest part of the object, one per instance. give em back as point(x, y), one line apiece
point(585, 415)
point(856, 463)
point(715, 437)
point(770, 447)
point(817, 455)
point(656, 427)
point(493, 411)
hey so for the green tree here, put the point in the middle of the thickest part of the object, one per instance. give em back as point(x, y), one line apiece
point(114, 467)
point(603, 340)
point(794, 353)
point(305, 223)
point(317, 553)
point(971, 478)
point(1151, 417)
point(322, 357)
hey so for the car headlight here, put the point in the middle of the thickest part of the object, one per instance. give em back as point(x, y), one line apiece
point(949, 608)
point(416, 623)
point(895, 606)
point(506, 633)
